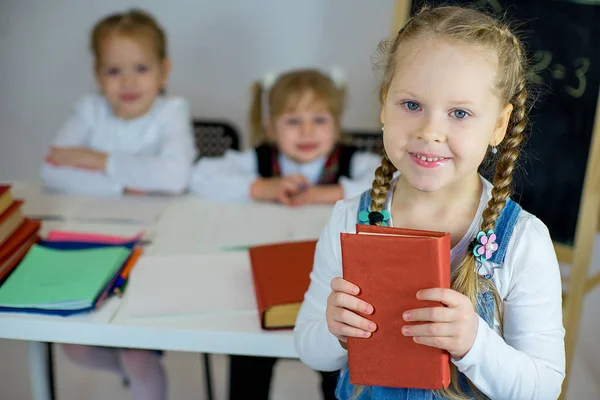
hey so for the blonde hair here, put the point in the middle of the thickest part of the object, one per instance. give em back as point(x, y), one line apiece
point(468, 26)
point(134, 23)
point(285, 94)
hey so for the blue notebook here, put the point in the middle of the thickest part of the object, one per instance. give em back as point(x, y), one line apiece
point(82, 245)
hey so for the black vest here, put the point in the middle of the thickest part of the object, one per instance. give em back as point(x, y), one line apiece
point(336, 166)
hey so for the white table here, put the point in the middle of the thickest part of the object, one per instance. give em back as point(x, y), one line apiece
point(186, 226)
point(230, 334)
point(227, 334)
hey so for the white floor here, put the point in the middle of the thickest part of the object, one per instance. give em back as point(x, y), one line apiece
point(293, 381)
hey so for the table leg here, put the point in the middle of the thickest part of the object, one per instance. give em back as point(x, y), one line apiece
point(40, 371)
point(208, 377)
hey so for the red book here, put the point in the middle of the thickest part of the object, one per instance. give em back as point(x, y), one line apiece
point(10, 220)
point(281, 277)
point(15, 248)
point(6, 198)
point(390, 265)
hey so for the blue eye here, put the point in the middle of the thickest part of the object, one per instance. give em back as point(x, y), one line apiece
point(411, 105)
point(320, 120)
point(141, 68)
point(293, 121)
point(460, 114)
point(113, 71)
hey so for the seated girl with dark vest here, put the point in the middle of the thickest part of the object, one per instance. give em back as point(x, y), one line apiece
point(295, 121)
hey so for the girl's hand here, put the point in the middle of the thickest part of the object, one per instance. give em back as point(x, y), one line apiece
point(452, 328)
point(342, 308)
point(278, 189)
point(77, 157)
point(320, 194)
point(134, 192)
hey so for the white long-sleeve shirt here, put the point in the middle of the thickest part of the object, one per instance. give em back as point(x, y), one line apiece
point(526, 362)
point(153, 153)
point(231, 176)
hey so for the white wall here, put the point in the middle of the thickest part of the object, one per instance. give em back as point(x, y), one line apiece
point(218, 47)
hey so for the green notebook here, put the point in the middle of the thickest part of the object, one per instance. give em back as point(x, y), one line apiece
point(61, 279)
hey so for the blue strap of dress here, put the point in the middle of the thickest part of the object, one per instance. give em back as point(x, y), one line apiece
point(505, 224)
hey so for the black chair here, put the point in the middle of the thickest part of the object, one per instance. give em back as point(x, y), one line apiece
point(213, 137)
point(365, 141)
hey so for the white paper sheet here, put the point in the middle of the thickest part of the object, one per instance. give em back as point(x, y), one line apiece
point(122, 209)
point(46, 205)
point(192, 285)
point(199, 227)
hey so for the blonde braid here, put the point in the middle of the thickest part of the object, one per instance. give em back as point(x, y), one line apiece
point(509, 152)
point(381, 183)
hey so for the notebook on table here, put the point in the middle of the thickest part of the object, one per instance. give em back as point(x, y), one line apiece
point(62, 282)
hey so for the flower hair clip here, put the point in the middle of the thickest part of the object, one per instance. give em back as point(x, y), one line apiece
point(484, 245)
point(374, 217)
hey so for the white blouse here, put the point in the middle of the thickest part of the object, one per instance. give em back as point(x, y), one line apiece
point(231, 176)
point(154, 152)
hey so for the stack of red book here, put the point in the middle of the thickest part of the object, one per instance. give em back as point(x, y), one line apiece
point(17, 233)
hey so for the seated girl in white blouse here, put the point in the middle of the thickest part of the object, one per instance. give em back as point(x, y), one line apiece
point(128, 138)
point(295, 121)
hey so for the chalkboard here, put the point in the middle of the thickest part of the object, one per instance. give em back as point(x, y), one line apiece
point(563, 44)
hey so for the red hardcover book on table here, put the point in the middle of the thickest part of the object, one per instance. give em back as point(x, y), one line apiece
point(390, 265)
point(281, 274)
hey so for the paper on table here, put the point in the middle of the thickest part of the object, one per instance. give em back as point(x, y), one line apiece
point(181, 226)
point(74, 236)
point(162, 286)
point(122, 209)
point(307, 222)
point(44, 205)
point(247, 225)
point(204, 227)
point(54, 279)
point(40, 203)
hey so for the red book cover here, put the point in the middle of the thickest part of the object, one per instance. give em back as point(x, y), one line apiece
point(10, 220)
point(390, 265)
point(6, 198)
point(15, 248)
point(281, 275)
